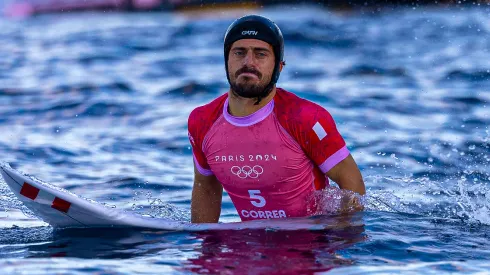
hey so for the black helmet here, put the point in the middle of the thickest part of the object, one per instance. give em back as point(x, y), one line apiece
point(261, 28)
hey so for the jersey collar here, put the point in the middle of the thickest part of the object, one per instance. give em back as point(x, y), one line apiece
point(251, 119)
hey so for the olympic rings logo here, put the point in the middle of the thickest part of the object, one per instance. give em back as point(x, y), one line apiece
point(247, 171)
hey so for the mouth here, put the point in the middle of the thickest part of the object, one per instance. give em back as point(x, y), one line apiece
point(249, 75)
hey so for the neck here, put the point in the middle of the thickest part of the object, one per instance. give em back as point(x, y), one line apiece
point(241, 106)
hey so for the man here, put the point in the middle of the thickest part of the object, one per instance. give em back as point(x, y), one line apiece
point(269, 149)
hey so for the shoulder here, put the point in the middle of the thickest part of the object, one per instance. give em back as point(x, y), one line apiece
point(209, 112)
point(293, 110)
point(203, 117)
point(312, 127)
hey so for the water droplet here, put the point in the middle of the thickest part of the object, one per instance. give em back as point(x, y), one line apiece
point(472, 147)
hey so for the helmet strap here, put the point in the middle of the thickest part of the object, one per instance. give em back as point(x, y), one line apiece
point(266, 92)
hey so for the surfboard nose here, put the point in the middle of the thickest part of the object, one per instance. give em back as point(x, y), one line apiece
point(13, 180)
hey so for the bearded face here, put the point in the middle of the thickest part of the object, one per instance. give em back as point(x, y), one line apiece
point(250, 67)
point(249, 87)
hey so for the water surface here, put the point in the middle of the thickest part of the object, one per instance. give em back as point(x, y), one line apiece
point(97, 103)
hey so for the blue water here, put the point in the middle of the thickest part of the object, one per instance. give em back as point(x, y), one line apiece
point(97, 103)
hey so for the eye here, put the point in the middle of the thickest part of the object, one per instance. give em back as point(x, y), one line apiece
point(261, 54)
point(239, 53)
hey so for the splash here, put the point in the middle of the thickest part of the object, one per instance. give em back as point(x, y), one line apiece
point(8, 201)
point(159, 209)
point(466, 201)
point(331, 201)
point(474, 201)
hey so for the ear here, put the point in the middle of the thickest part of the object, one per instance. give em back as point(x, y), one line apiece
point(281, 65)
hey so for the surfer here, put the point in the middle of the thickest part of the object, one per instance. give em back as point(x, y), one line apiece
point(268, 148)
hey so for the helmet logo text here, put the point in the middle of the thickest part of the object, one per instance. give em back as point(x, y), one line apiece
point(250, 32)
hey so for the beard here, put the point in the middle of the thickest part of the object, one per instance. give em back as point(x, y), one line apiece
point(250, 90)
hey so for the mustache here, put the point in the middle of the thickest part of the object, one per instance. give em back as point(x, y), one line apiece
point(248, 70)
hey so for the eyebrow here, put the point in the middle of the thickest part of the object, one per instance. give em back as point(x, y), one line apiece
point(253, 48)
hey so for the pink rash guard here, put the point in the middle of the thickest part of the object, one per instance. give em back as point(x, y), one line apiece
point(271, 161)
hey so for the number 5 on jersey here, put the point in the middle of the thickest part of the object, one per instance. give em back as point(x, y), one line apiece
point(256, 199)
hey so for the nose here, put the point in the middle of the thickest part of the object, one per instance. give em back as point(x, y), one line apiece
point(249, 59)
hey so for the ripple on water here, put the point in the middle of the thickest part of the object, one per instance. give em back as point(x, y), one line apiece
point(101, 109)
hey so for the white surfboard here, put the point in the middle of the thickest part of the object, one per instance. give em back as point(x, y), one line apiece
point(63, 209)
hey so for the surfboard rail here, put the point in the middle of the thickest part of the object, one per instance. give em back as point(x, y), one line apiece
point(61, 208)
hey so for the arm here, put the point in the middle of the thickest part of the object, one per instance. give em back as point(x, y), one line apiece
point(206, 198)
point(207, 190)
point(347, 175)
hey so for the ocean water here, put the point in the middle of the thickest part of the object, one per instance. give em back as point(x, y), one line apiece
point(97, 103)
